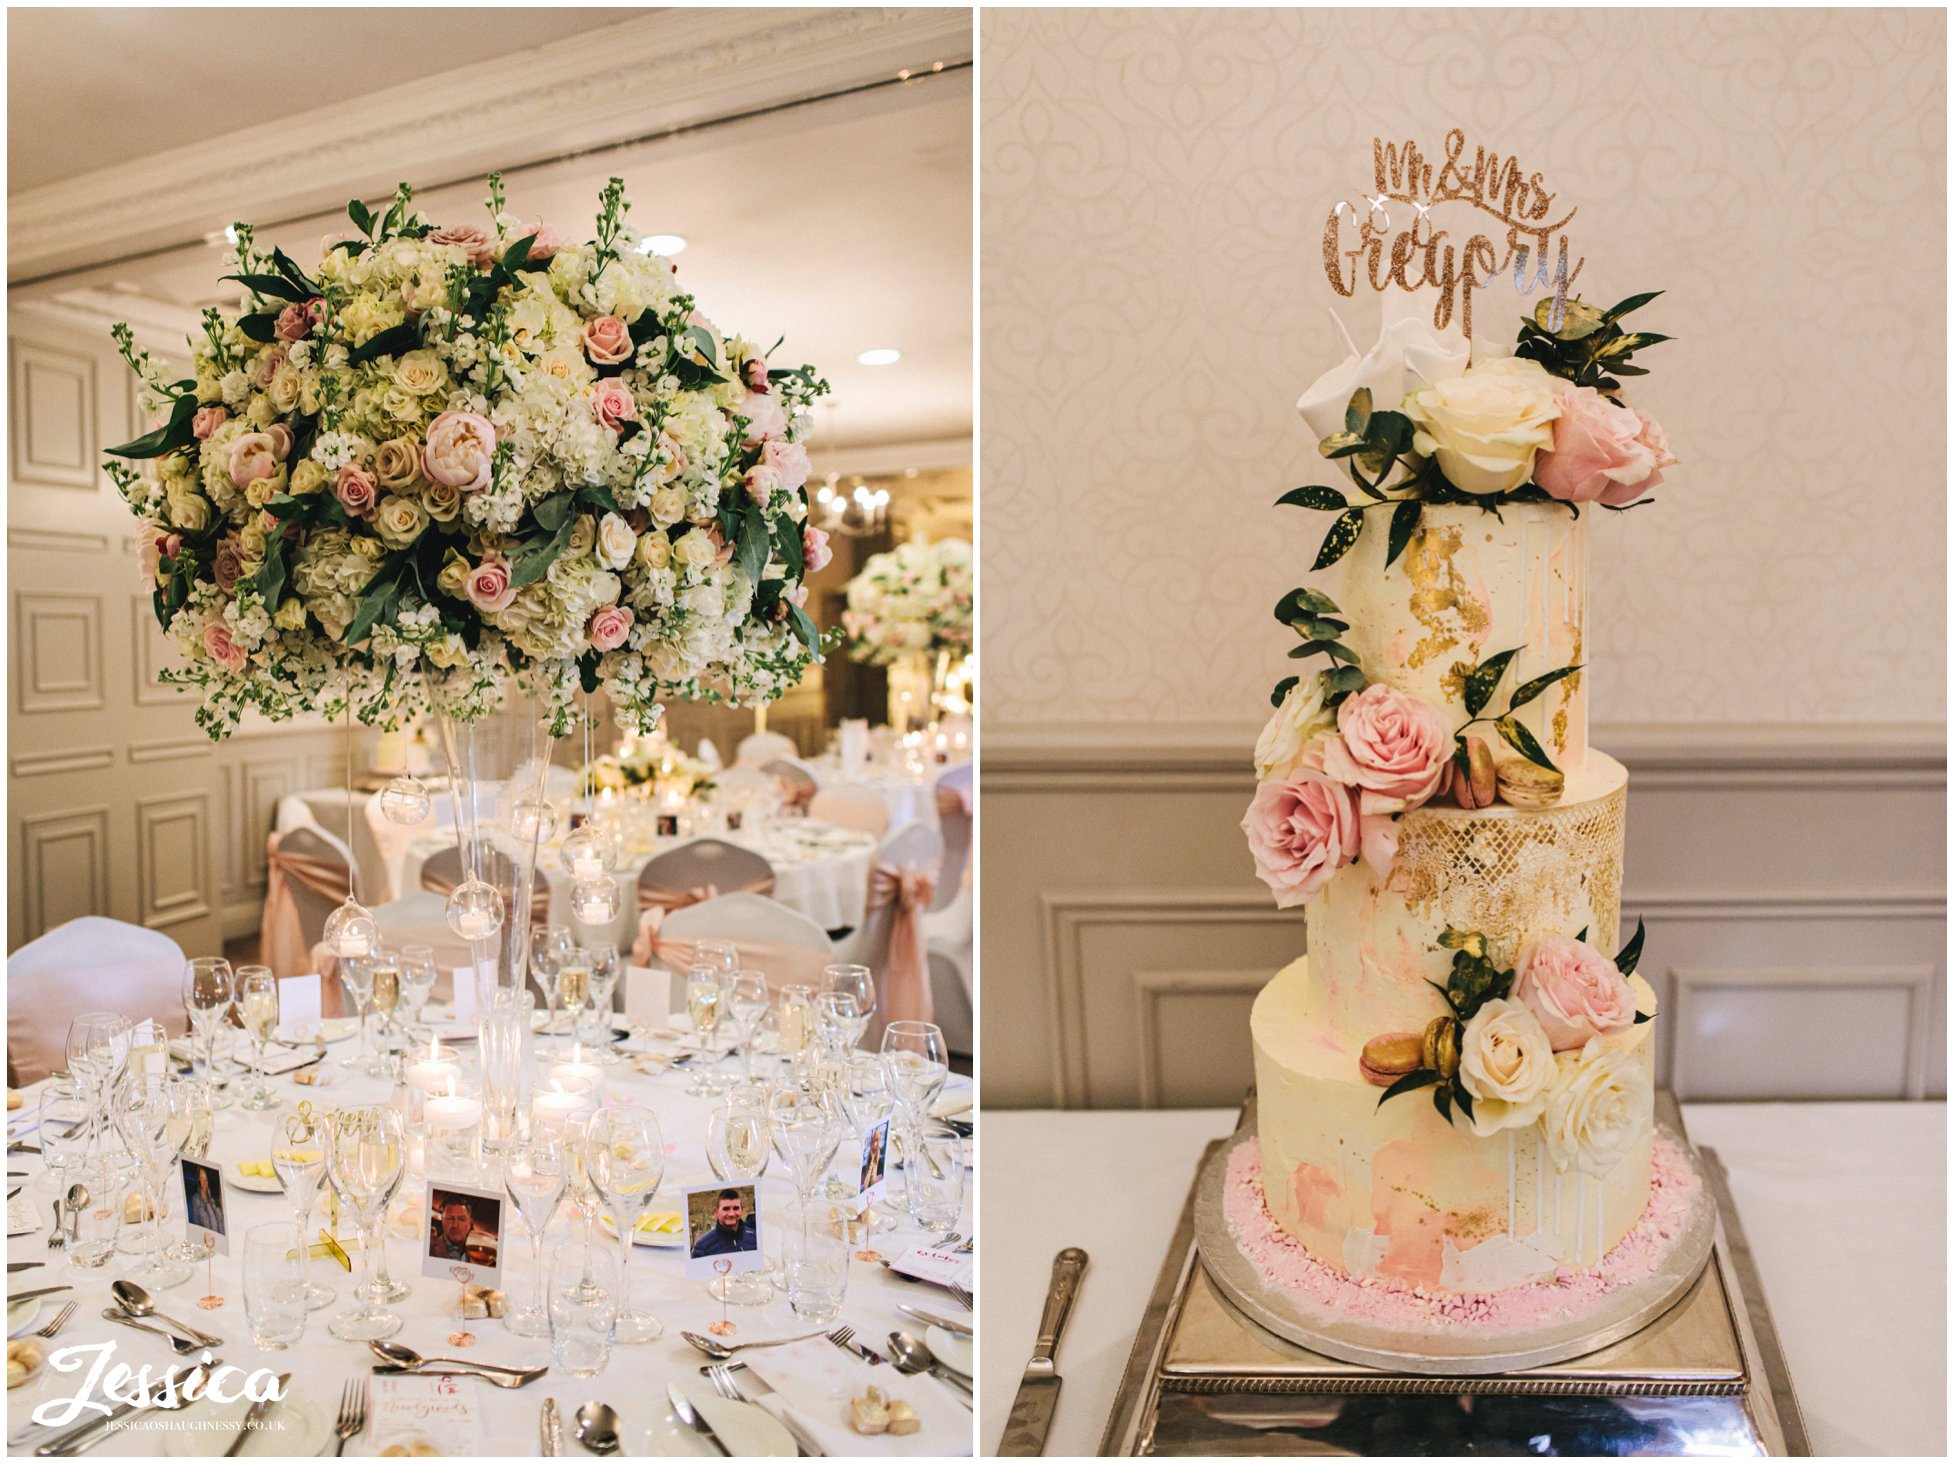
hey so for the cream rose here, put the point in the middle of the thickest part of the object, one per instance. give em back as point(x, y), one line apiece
point(308, 477)
point(696, 549)
point(189, 510)
point(453, 579)
point(654, 550)
point(1598, 1105)
point(1505, 1063)
point(420, 372)
point(399, 521)
point(667, 507)
point(291, 614)
point(397, 463)
point(615, 541)
point(1300, 720)
point(1484, 427)
point(442, 502)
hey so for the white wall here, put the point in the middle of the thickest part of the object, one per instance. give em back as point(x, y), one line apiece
point(1768, 642)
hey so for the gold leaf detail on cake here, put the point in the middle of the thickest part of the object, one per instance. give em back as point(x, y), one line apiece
point(1441, 602)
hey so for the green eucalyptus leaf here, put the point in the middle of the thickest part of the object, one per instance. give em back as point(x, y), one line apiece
point(1345, 679)
point(1522, 742)
point(1463, 940)
point(1340, 445)
point(1283, 688)
point(533, 561)
point(1342, 536)
point(1357, 416)
point(174, 433)
point(1483, 680)
point(1324, 629)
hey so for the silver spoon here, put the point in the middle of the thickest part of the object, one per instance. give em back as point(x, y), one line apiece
point(723, 1350)
point(912, 1355)
point(182, 1346)
point(77, 1200)
point(136, 1302)
point(406, 1359)
point(597, 1425)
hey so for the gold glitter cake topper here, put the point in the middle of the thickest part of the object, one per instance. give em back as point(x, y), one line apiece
point(1419, 258)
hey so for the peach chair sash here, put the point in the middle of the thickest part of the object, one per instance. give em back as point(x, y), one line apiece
point(281, 933)
point(655, 902)
point(436, 879)
point(905, 995)
point(781, 962)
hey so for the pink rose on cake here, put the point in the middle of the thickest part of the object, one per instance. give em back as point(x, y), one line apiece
point(1301, 830)
point(1484, 427)
point(1602, 451)
point(1390, 744)
point(1506, 1064)
point(1599, 1104)
point(1575, 991)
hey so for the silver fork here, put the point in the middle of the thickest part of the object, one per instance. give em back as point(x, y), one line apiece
point(352, 1412)
point(60, 1321)
point(844, 1338)
point(962, 1295)
point(720, 1375)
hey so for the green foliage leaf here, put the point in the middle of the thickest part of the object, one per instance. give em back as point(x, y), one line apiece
point(1442, 1100)
point(380, 600)
point(1410, 1083)
point(261, 327)
point(1633, 302)
point(805, 629)
point(277, 286)
point(1464, 1100)
point(1527, 691)
point(1522, 742)
point(283, 263)
point(754, 545)
point(1323, 628)
point(1404, 523)
point(1344, 679)
point(270, 580)
point(1483, 680)
point(361, 215)
point(1336, 650)
point(396, 340)
point(1631, 954)
point(533, 561)
point(1340, 445)
point(1470, 941)
point(1283, 688)
point(1584, 933)
point(1326, 499)
point(1343, 534)
point(1357, 416)
point(1641, 1017)
point(170, 436)
point(555, 511)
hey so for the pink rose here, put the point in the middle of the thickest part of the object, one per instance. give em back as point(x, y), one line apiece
point(223, 646)
point(1657, 442)
point(489, 589)
point(789, 459)
point(207, 421)
point(1575, 991)
point(268, 365)
point(1301, 833)
point(722, 551)
point(1389, 744)
point(356, 491)
point(765, 417)
point(762, 482)
point(460, 451)
point(252, 458)
point(614, 404)
point(543, 240)
point(607, 341)
point(281, 440)
point(478, 242)
point(296, 320)
point(609, 627)
point(754, 373)
point(815, 552)
point(1597, 451)
point(228, 564)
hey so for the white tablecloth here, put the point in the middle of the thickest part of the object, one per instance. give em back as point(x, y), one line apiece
point(321, 1362)
point(909, 798)
point(1845, 1206)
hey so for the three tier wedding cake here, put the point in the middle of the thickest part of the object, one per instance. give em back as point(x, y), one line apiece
point(1455, 1083)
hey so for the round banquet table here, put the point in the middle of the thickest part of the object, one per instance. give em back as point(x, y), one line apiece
point(819, 869)
point(1844, 1204)
point(633, 1382)
point(909, 797)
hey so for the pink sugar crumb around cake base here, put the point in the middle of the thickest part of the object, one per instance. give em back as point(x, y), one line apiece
point(1286, 1266)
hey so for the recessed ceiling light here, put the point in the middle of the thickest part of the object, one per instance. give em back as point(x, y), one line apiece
point(665, 244)
point(880, 356)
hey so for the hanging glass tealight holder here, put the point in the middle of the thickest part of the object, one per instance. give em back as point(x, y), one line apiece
point(406, 800)
point(589, 852)
point(475, 910)
point(595, 901)
point(350, 930)
point(533, 821)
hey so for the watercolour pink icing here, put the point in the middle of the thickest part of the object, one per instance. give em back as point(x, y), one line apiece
point(1396, 1301)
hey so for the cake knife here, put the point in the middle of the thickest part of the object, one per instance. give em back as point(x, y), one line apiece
point(1037, 1400)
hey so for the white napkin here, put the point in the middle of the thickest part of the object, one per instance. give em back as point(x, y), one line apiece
point(816, 1379)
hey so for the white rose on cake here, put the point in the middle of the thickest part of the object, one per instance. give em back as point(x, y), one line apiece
point(1506, 1064)
point(1597, 1107)
point(1484, 427)
point(1300, 719)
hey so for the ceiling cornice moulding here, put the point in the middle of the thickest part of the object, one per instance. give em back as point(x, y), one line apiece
point(669, 70)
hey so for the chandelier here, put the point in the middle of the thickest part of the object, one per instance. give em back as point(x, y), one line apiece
point(855, 512)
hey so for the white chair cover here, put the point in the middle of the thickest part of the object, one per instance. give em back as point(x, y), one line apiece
point(704, 863)
point(950, 995)
point(912, 851)
point(782, 944)
point(851, 806)
point(709, 754)
point(955, 799)
point(760, 748)
point(798, 783)
point(88, 965)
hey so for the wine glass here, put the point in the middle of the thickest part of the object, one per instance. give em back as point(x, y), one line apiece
point(417, 976)
point(747, 999)
point(868, 1099)
point(188, 1130)
point(535, 1172)
point(858, 982)
point(548, 945)
point(97, 1051)
point(298, 1157)
point(624, 1159)
point(705, 1004)
point(208, 987)
point(142, 1116)
point(356, 975)
point(806, 1133)
point(365, 1153)
point(381, 1288)
point(573, 985)
point(837, 1023)
point(257, 1004)
point(738, 1147)
point(605, 968)
point(919, 1062)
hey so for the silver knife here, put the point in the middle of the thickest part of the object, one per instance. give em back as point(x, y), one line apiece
point(930, 1319)
point(30, 1295)
point(693, 1419)
point(255, 1415)
point(552, 1429)
point(1031, 1412)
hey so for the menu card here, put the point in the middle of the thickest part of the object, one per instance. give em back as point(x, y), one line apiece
point(945, 1268)
point(430, 1409)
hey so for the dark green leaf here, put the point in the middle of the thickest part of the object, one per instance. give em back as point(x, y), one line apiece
point(1584, 933)
point(1528, 691)
point(292, 272)
point(1464, 1100)
point(587, 672)
point(1340, 445)
point(1283, 688)
point(1327, 499)
point(598, 496)
point(1410, 1083)
point(1343, 534)
point(555, 511)
point(276, 286)
point(378, 602)
point(1345, 678)
point(271, 577)
point(174, 433)
point(1462, 940)
point(533, 561)
point(261, 327)
point(395, 341)
point(1523, 742)
point(1390, 433)
point(1322, 628)
point(516, 256)
point(361, 215)
point(754, 545)
point(1357, 416)
point(805, 629)
point(1483, 679)
point(1641, 1017)
point(1631, 954)
point(1336, 650)
point(1442, 1101)
point(1404, 523)
point(1633, 302)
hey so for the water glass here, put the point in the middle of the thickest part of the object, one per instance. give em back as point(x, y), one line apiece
point(66, 1121)
point(417, 975)
point(274, 1286)
point(814, 1264)
point(933, 1177)
point(97, 1225)
point(585, 1289)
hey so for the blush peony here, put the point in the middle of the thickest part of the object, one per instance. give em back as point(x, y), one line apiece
point(460, 451)
point(1301, 832)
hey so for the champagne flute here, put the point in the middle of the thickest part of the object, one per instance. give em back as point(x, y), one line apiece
point(417, 976)
point(548, 945)
point(384, 996)
point(187, 1129)
point(705, 997)
point(747, 999)
point(605, 968)
point(365, 1153)
point(298, 1157)
point(624, 1158)
point(573, 985)
point(858, 982)
point(142, 1117)
point(796, 1021)
point(356, 975)
point(257, 1004)
point(535, 1172)
point(208, 987)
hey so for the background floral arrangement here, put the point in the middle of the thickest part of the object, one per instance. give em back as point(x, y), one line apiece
point(458, 459)
point(914, 600)
point(642, 764)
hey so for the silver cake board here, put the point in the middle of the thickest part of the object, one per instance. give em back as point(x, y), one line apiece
point(1705, 1376)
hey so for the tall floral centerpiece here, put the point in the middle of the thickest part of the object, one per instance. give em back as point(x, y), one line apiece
point(474, 470)
point(911, 610)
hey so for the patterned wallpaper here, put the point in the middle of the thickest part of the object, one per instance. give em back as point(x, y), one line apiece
point(1154, 185)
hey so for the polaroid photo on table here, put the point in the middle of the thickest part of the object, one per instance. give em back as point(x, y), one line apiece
point(462, 1226)
point(875, 1165)
point(203, 1205)
point(722, 1224)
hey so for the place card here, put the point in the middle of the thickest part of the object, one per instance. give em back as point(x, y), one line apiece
point(299, 1010)
point(436, 1410)
point(20, 1217)
point(647, 997)
point(944, 1268)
